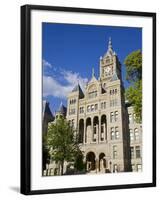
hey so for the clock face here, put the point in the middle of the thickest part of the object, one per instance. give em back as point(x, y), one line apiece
point(107, 70)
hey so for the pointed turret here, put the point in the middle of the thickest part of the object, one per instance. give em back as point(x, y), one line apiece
point(110, 65)
point(110, 49)
point(78, 89)
point(62, 110)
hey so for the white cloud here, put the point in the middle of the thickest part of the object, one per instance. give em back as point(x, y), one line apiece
point(52, 87)
point(74, 78)
point(46, 63)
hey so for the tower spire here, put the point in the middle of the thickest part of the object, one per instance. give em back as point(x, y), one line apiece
point(110, 49)
point(110, 44)
point(93, 72)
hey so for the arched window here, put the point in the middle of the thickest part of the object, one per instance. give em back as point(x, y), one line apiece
point(88, 108)
point(111, 117)
point(81, 109)
point(116, 116)
point(136, 133)
point(131, 135)
point(112, 134)
point(115, 152)
point(92, 107)
point(116, 133)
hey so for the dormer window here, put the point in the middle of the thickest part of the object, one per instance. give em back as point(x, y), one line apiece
point(92, 94)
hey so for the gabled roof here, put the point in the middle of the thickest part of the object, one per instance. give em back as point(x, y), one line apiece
point(77, 88)
point(114, 77)
point(62, 109)
point(93, 79)
point(46, 112)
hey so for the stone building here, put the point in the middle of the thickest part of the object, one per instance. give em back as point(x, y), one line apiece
point(102, 120)
point(108, 134)
point(47, 116)
point(135, 131)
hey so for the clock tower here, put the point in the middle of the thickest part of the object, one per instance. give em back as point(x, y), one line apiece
point(109, 65)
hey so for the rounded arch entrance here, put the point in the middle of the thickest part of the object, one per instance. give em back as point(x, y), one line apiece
point(95, 128)
point(88, 133)
point(81, 131)
point(103, 135)
point(102, 162)
point(90, 161)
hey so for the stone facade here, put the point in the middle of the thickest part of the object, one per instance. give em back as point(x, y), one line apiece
point(100, 116)
point(135, 131)
point(108, 134)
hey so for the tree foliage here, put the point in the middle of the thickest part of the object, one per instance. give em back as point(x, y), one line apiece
point(62, 142)
point(134, 96)
point(133, 64)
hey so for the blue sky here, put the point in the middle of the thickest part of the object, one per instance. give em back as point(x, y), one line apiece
point(70, 51)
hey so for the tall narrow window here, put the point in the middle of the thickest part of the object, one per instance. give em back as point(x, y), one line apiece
point(115, 152)
point(112, 133)
point(81, 109)
point(96, 106)
point(94, 133)
point(131, 135)
point(138, 152)
point(116, 116)
point(92, 107)
point(132, 152)
point(136, 133)
point(116, 133)
point(112, 117)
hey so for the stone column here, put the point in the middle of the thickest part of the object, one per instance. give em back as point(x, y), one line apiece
point(96, 164)
point(104, 125)
point(99, 134)
point(84, 133)
point(92, 128)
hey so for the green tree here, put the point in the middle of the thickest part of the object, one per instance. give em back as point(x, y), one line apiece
point(62, 142)
point(79, 164)
point(133, 63)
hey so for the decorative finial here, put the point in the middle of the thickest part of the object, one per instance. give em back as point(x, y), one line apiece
point(92, 71)
point(110, 43)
